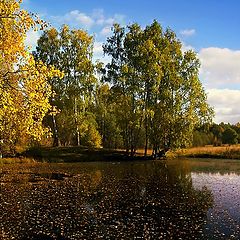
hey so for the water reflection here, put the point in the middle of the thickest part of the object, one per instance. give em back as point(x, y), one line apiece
point(224, 217)
point(146, 200)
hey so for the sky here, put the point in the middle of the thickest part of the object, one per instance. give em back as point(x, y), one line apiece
point(209, 27)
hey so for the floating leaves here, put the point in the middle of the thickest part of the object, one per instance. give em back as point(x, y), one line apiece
point(147, 200)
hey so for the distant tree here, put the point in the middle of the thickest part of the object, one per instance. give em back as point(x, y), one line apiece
point(202, 138)
point(217, 131)
point(236, 127)
point(230, 136)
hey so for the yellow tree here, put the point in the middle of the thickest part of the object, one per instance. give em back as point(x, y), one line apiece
point(24, 89)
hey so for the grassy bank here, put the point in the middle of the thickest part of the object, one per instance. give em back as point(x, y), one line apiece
point(83, 154)
point(75, 154)
point(220, 152)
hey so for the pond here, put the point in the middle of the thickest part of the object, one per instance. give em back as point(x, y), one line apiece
point(173, 199)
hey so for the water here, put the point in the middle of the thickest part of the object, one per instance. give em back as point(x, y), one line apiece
point(177, 199)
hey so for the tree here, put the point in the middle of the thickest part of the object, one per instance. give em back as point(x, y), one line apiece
point(106, 118)
point(236, 127)
point(156, 85)
point(144, 62)
point(180, 103)
point(230, 136)
point(122, 76)
point(71, 52)
point(49, 54)
point(24, 89)
point(202, 138)
point(217, 131)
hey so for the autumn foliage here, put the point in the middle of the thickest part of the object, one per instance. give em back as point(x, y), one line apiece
point(24, 89)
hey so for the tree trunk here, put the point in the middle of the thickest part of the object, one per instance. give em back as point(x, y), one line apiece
point(76, 122)
point(55, 133)
point(146, 140)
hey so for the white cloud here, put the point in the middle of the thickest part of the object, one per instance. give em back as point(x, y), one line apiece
point(98, 53)
point(186, 47)
point(106, 31)
point(220, 74)
point(98, 15)
point(31, 39)
point(226, 104)
point(188, 32)
point(108, 23)
point(220, 67)
point(97, 48)
point(100, 19)
point(75, 18)
point(119, 18)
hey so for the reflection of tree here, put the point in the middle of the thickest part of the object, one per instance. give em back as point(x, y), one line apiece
point(156, 201)
point(148, 201)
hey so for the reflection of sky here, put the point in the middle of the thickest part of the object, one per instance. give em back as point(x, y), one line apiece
point(225, 214)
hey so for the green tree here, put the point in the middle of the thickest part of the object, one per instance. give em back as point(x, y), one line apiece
point(48, 51)
point(156, 85)
point(144, 60)
point(201, 138)
point(124, 90)
point(230, 136)
point(217, 131)
point(106, 117)
point(71, 51)
point(236, 127)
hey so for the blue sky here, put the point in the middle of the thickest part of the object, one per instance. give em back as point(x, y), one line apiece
point(210, 27)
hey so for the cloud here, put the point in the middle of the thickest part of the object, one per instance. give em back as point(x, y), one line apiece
point(106, 31)
point(81, 18)
point(32, 38)
point(101, 19)
point(119, 18)
point(226, 104)
point(97, 48)
point(75, 18)
point(108, 23)
point(187, 47)
point(97, 17)
point(220, 67)
point(98, 53)
point(188, 32)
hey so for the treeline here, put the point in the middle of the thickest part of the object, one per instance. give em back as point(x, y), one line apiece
point(217, 134)
point(148, 95)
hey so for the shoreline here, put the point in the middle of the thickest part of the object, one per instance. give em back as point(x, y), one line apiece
point(82, 154)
